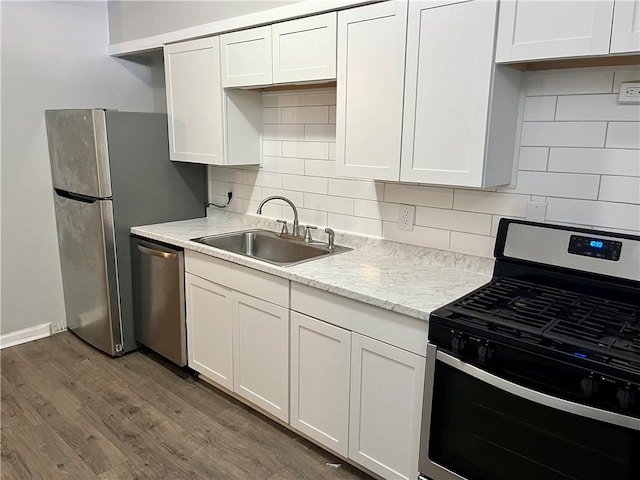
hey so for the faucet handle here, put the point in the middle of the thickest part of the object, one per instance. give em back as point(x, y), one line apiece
point(307, 233)
point(332, 236)
point(284, 230)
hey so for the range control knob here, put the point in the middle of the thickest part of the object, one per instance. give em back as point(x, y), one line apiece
point(458, 343)
point(626, 398)
point(589, 386)
point(485, 352)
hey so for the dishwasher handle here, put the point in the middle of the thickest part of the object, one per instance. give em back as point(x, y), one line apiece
point(156, 253)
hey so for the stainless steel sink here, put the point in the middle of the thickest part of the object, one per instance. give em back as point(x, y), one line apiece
point(270, 247)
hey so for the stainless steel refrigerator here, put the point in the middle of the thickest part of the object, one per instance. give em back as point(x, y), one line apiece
point(110, 171)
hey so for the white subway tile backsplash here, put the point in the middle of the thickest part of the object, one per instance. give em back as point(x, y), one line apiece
point(376, 210)
point(508, 204)
point(320, 133)
point(539, 108)
point(283, 165)
point(332, 151)
point(296, 197)
point(418, 195)
point(595, 213)
point(283, 132)
point(328, 203)
point(620, 189)
point(248, 192)
point(305, 114)
point(217, 188)
point(630, 74)
point(320, 168)
point(305, 184)
point(623, 135)
point(280, 100)
point(479, 245)
point(595, 107)
point(224, 174)
point(262, 179)
point(566, 82)
point(368, 189)
point(563, 134)
point(272, 148)
point(313, 217)
point(425, 236)
point(321, 98)
point(566, 185)
point(271, 115)
point(445, 219)
point(349, 223)
point(533, 158)
point(313, 150)
point(595, 160)
point(332, 115)
point(270, 209)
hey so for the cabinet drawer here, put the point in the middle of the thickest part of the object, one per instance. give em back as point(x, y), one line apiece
point(252, 282)
point(389, 327)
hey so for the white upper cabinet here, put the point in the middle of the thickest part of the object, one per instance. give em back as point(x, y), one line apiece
point(304, 49)
point(371, 46)
point(460, 111)
point(625, 33)
point(295, 51)
point(207, 124)
point(246, 57)
point(537, 30)
point(194, 101)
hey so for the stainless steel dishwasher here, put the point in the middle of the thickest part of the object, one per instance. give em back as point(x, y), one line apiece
point(158, 298)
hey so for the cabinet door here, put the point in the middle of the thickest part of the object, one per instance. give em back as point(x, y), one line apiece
point(625, 32)
point(320, 371)
point(536, 30)
point(371, 46)
point(446, 101)
point(209, 329)
point(194, 101)
point(304, 49)
point(261, 354)
point(246, 57)
point(386, 408)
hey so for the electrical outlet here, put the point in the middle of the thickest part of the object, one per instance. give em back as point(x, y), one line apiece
point(629, 92)
point(406, 217)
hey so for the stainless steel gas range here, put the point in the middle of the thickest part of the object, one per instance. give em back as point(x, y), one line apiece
point(536, 375)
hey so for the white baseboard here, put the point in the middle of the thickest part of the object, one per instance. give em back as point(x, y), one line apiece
point(25, 335)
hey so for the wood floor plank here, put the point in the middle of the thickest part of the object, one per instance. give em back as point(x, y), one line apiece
point(69, 411)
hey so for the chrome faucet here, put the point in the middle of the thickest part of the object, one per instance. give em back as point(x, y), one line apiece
point(284, 199)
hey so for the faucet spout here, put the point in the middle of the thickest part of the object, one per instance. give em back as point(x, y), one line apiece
point(284, 199)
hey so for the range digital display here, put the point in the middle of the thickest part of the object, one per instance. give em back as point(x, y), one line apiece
point(595, 247)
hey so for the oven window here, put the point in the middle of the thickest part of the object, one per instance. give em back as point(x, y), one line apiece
point(483, 433)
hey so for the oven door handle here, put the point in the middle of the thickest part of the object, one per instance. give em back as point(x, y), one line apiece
point(538, 397)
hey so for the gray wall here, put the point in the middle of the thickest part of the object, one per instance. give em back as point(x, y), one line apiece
point(130, 20)
point(54, 55)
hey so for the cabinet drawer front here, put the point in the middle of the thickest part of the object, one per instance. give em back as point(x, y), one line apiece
point(246, 57)
point(305, 49)
point(252, 282)
point(320, 366)
point(393, 328)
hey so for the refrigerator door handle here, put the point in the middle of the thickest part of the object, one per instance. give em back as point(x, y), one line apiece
point(75, 196)
point(156, 253)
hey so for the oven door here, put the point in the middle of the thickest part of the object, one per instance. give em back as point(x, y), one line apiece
point(478, 426)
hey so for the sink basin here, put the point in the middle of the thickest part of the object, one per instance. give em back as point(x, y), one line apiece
point(270, 247)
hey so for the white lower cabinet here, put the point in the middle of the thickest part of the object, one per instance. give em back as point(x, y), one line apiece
point(358, 396)
point(320, 371)
point(261, 354)
point(386, 408)
point(238, 330)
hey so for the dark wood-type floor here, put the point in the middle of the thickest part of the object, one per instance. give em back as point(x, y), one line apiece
point(70, 412)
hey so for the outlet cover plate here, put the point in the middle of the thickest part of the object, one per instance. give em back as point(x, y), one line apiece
point(406, 216)
point(629, 92)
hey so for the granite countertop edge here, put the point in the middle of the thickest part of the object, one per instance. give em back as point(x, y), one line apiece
point(407, 279)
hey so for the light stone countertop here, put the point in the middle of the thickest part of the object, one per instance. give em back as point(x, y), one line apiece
point(407, 279)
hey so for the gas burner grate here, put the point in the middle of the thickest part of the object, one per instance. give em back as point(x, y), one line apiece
point(604, 326)
point(516, 304)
